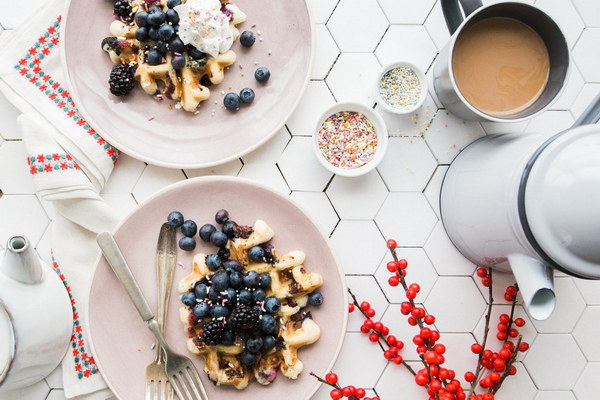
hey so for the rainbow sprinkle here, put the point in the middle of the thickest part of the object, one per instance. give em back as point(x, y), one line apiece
point(400, 87)
point(348, 140)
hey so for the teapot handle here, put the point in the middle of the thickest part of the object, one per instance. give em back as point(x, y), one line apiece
point(453, 14)
point(591, 115)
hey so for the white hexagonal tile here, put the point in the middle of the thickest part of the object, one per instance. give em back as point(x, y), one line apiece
point(15, 221)
point(584, 98)
point(365, 289)
point(407, 218)
point(44, 246)
point(55, 378)
point(154, 179)
point(456, 304)
point(300, 167)
point(320, 10)
point(399, 327)
point(436, 26)
point(315, 100)
point(16, 178)
point(569, 306)
point(122, 203)
point(407, 42)
point(406, 11)
point(397, 379)
point(125, 175)
point(231, 168)
point(583, 54)
point(419, 270)
point(551, 122)
point(37, 391)
point(446, 259)
point(571, 90)
point(517, 387)
point(359, 197)
point(458, 354)
point(357, 25)
point(270, 151)
point(413, 124)
point(359, 246)
point(266, 173)
point(565, 15)
point(555, 395)
point(586, 333)
point(501, 280)
point(587, 385)
point(9, 129)
point(554, 350)
point(589, 11)
point(318, 207)
point(362, 70)
point(56, 394)
point(434, 187)
point(326, 52)
point(590, 290)
point(448, 135)
point(407, 165)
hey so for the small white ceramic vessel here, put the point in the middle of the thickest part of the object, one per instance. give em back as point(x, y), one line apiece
point(422, 81)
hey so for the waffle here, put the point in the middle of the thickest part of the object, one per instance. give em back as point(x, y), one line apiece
point(291, 283)
point(185, 85)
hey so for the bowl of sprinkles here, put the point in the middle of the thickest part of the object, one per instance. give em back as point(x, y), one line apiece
point(350, 139)
point(401, 88)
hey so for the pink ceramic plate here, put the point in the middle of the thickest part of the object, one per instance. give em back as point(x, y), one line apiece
point(150, 131)
point(121, 342)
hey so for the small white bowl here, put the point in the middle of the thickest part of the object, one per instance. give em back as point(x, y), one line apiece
point(380, 130)
point(422, 81)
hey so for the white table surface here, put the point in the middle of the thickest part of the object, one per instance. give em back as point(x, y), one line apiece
point(398, 200)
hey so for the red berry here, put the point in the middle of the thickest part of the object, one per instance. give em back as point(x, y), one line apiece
point(402, 264)
point(524, 346)
point(429, 319)
point(469, 376)
point(412, 321)
point(487, 396)
point(486, 382)
point(504, 318)
point(435, 385)
point(364, 329)
point(417, 312)
point(405, 308)
point(391, 244)
point(425, 333)
point(365, 305)
point(513, 333)
point(444, 374)
point(451, 387)
point(393, 281)
point(391, 340)
point(360, 393)
point(501, 336)
point(370, 313)
point(487, 354)
point(392, 266)
point(495, 377)
point(415, 287)
point(430, 357)
point(411, 294)
point(435, 336)
point(331, 378)
point(510, 346)
point(482, 272)
point(393, 351)
point(511, 290)
point(512, 370)
point(499, 364)
point(451, 374)
point(404, 272)
point(422, 349)
point(421, 380)
point(385, 331)
point(418, 340)
point(508, 297)
point(373, 337)
point(348, 391)
point(398, 359)
point(378, 326)
point(388, 355)
point(502, 327)
point(519, 322)
point(350, 307)
point(504, 354)
point(439, 348)
point(368, 323)
point(335, 394)
point(487, 281)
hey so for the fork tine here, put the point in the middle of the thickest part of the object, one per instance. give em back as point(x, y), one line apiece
point(176, 387)
point(148, 390)
point(185, 386)
point(193, 383)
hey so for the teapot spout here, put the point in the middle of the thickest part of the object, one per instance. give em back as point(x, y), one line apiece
point(536, 283)
point(20, 262)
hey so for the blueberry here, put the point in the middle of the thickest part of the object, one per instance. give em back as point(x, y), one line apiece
point(219, 239)
point(155, 8)
point(262, 74)
point(213, 295)
point(236, 280)
point(231, 101)
point(228, 338)
point(247, 95)
point(202, 310)
point(268, 342)
point(195, 54)
point(254, 344)
point(166, 32)
point(247, 38)
point(256, 254)
point(251, 280)
point(161, 47)
point(267, 324)
point(220, 281)
point(272, 305)
point(187, 243)
point(219, 311)
point(315, 299)
point(141, 19)
point(245, 296)
point(201, 291)
point(178, 62)
point(153, 33)
point(247, 358)
point(189, 228)
point(233, 265)
point(141, 34)
point(244, 335)
point(206, 230)
point(156, 17)
point(213, 261)
point(228, 228)
point(172, 17)
point(175, 219)
point(265, 280)
point(176, 45)
point(189, 299)
point(173, 3)
point(224, 253)
point(154, 57)
point(221, 216)
point(258, 295)
point(231, 295)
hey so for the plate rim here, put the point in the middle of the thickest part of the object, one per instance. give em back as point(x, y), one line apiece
point(221, 178)
point(192, 165)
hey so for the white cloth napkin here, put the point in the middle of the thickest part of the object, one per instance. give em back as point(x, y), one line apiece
point(69, 163)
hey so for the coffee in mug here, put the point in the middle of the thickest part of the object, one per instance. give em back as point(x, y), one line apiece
point(500, 65)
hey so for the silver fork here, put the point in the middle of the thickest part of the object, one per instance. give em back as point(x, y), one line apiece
point(157, 381)
point(181, 371)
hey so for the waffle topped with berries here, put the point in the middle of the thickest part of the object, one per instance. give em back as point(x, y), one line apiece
point(175, 49)
point(244, 306)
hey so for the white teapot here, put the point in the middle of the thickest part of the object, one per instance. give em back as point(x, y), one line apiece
point(36, 318)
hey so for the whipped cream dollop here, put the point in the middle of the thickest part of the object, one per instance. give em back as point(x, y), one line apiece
point(203, 25)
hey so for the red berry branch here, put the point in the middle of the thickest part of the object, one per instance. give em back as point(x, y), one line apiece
point(491, 370)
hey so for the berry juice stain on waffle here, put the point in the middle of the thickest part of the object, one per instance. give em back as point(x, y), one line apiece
point(244, 306)
point(177, 49)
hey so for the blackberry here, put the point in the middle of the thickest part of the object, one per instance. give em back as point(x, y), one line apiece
point(111, 43)
point(244, 317)
point(213, 332)
point(123, 10)
point(121, 79)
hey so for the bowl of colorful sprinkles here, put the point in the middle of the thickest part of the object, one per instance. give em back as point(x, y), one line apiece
point(350, 139)
point(401, 88)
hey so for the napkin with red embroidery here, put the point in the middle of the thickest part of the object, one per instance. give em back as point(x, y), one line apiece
point(69, 163)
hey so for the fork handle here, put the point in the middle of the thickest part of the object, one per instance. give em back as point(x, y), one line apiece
point(117, 262)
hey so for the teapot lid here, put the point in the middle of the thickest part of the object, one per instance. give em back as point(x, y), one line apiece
point(562, 201)
point(6, 336)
